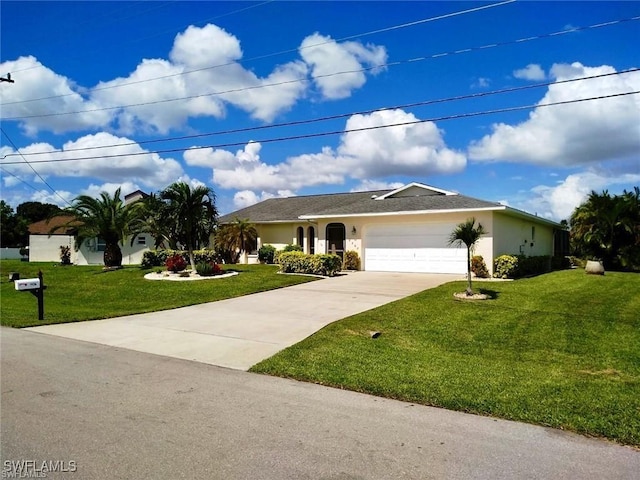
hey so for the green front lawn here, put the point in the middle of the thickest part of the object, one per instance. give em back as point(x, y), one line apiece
point(562, 350)
point(77, 293)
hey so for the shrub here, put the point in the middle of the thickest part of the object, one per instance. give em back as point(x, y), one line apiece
point(559, 262)
point(326, 264)
point(158, 258)
point(351, 260)
point(176, 263)
point(505, 266)
point(578, 262)
point(510, 266)
point(205, 269)
point(24, 251)
point(478, 267)
point(292, 247)
point(298, 262)
point(266, 253)
point(65, 255)
point(203, 256)
point(528, 266)
point(153, 258)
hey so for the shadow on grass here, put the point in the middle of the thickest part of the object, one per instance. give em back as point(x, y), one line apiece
point(492, 294)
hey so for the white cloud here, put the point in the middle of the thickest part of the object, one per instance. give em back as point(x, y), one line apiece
point(370, 185)
point(136, 164)
point(203, 68)
point(95, 190)
point(481, 82)
point(161, 116)
point(46, 196)
point(572, 134)
point(412, 149)
point(558, 202)
point(32, 81)
point(326, 57)
point(246, 198)
point(204, 64)
point(533, 72)
point(211, 56)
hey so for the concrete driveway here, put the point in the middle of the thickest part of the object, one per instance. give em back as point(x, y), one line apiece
point(240, 332)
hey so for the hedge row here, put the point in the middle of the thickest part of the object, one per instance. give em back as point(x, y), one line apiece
point(298, 262)
point(518, 266)
point(158, 258)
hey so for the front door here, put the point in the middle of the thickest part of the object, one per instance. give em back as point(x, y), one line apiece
point(335, 238)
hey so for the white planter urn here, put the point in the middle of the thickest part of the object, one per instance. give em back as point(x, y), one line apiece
point(594, 267)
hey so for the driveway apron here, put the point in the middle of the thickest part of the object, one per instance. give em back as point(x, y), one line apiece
point(240, 332)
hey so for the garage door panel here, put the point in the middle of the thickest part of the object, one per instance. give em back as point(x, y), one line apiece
point(413, 248)
point(422, 260)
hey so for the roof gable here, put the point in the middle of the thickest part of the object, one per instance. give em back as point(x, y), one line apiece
point(415, 189)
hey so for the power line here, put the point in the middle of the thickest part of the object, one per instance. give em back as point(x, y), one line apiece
point(314, 77)
point(260, 57)
point(16, 176)
point(338, 116)
point(339, 132)
point(31, 166)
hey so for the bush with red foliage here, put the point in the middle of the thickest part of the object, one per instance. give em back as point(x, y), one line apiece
point(176, 263)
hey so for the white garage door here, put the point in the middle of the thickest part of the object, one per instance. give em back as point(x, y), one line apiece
point(413, 248)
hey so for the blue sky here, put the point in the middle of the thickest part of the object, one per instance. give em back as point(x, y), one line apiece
point(91, 76)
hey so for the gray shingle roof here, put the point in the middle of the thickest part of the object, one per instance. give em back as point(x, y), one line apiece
point(358, 203)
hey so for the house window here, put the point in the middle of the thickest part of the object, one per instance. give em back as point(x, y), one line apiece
point(533, 234)
point(141, 240)
point(101, 245)
point(301, 236)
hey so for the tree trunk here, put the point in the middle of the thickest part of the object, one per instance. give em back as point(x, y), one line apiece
point(112, 255)
point(469, 289)
point(192, 259)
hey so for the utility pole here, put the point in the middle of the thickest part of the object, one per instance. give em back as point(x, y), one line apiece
point(7, 79)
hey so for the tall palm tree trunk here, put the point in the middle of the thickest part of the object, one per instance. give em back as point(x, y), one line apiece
point(112, 256)
point(469, 288)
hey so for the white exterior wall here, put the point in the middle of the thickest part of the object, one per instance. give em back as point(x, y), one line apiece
point(44, 248)
point(276, 234)
point(131, 255)
point(514, 237)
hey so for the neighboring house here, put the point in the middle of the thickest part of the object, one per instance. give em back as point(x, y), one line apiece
point(45, 246)
point(402, 230)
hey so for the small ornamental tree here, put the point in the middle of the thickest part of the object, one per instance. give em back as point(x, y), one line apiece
point(467, 233)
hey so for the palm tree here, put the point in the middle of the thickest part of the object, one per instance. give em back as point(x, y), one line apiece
point(606, 227)
point(237, 237)
point(194, 213)
point(155, 220)
point(107, 218)
point(468, 234)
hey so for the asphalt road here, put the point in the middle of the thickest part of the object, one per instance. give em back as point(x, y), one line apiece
point(111, 413)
